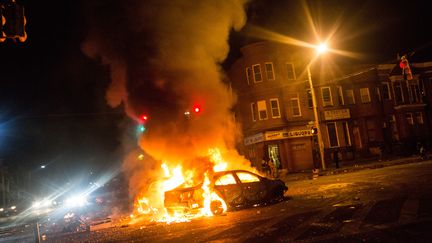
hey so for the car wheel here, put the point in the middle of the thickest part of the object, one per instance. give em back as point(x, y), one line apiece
point(216, 207)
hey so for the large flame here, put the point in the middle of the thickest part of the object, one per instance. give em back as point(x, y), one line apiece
point(175, 176)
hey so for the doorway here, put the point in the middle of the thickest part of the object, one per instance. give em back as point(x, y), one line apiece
point(273, 152)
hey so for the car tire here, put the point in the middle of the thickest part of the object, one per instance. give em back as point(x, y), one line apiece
point(216, 207)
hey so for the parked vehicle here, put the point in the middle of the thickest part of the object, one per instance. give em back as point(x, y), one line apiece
point(238, 188)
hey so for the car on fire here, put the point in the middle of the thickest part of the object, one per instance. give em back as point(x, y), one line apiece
point(238, 188)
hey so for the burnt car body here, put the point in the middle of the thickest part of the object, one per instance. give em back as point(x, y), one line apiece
point(238, 188)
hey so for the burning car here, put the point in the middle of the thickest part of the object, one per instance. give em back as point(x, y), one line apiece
point(234, 189)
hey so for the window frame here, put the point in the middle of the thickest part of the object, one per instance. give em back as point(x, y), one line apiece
point(272, 108)
point(417, 116)
point(340, 97)
point(350, 93)
point(292, 71)
point(255, 74)
point(346, 133)
point(254, 111)
point(327, 103)
point(336, 133)
point(249, 75)
point(297, 100)
point(271, 71)
point(387, 88)
point(409, 118)
point(259, 111)
point(369, 100)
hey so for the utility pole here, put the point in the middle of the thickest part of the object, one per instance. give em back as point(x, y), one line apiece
point(316, 122)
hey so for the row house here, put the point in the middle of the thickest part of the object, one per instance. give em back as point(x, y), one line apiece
point(360, 109)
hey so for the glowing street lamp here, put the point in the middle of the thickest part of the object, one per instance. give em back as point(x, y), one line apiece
point(322, 48)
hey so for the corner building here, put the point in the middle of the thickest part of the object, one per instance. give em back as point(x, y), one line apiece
point(362, 109)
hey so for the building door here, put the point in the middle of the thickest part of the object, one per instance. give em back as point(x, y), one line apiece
point(273, 152)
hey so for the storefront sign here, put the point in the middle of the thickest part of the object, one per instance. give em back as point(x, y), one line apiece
point(337, 114)
point(275, 135)
point(254, 139)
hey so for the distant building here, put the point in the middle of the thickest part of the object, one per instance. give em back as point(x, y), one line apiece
point(360, 108)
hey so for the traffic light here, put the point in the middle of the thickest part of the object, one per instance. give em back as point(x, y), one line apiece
point(314, 130)
point(406, 69)
point(2, 22)
point(13, 21)
point(142, 122)
point(196, 108)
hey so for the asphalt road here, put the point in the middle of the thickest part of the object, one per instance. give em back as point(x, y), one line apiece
point(390, 204)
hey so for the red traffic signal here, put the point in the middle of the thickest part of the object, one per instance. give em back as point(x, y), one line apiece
point(143, 119)
point(197, 108)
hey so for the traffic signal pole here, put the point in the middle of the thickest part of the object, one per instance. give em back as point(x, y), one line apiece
point(316, 122)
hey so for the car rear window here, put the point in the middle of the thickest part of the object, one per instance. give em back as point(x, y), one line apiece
point(227, 179)
point(245, 177)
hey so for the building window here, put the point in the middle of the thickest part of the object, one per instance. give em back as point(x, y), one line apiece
point(346, 133)
point(398, 92)
point(414, 93)
point(262, 110)
point(248, 75)
point(350, 96)
point(254, 111)
point(378, 93)
point(332, 134)
point(409, 118)
point(309, 98)
point(274, 104)
point(340, 95)
point(269, 71)
point(364, 95)
point(386, 91)
point(295, 106)
point(326, 96)
point(257, 73)
point(419, 117)
point(371, 130)
point(290, 71)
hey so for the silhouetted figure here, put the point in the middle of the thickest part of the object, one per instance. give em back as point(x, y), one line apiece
point(336, 158)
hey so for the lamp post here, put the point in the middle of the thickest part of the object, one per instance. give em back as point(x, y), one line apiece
point(320, 49)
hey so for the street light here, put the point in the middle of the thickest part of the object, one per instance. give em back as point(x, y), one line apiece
point(320, 49)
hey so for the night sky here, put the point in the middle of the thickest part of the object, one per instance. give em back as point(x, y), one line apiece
point(52, 96)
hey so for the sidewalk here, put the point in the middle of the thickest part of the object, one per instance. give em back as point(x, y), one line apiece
point(350, 166)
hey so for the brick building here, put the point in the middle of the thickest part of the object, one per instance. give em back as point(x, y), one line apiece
point(360, 108)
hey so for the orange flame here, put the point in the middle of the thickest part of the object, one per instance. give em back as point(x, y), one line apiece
point(174, 177)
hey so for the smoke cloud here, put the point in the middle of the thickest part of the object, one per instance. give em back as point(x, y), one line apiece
point(164, 57)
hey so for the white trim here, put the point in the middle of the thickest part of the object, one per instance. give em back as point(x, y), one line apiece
point(247, 74)
point(264, 103)
point(272, 70)
point(362, 95)
point(260, 73)
point(278, 108)
point(331, 97)
point(346, 130)
point(293, 70)
point(298, 106)
point(387, 85)
point(253, 105)
point(337, 135)
point(340, 94)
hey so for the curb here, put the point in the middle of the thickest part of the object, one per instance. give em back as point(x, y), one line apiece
point(374, 165)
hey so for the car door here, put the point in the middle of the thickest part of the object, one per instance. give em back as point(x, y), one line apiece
point(229, 188)
point(254, 190)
